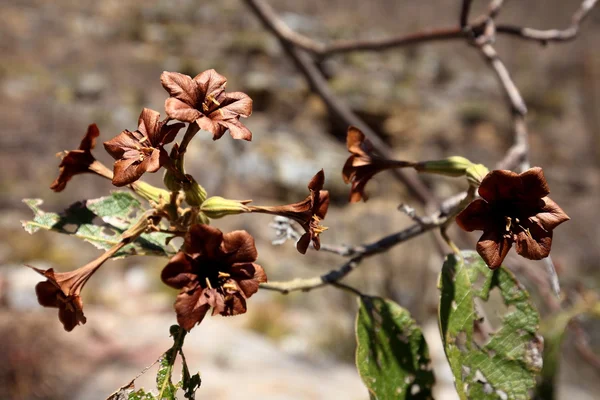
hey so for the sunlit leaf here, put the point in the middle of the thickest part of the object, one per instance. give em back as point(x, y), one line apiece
point(503, 364)
point(100, 222)
point(391, 355)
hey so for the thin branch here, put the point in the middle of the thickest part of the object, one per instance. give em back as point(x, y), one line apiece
point(424, 36)
point(516, 101)
point(464, 13)
point(551, 35)
point(337, 107)
point(494, 8)
point(359, 253)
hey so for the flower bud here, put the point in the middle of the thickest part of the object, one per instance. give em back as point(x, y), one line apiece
point(172, 181)
point(218, 207)
point(149, 192)
point(194, 193)
point(452, 166)
point(475, 174)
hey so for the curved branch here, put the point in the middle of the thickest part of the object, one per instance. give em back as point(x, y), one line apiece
point(358, 253)
point(551, 35)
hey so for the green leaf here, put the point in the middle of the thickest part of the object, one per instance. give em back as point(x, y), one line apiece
point(100, 222)
point(167, 390)
point(553, 329)
point(391, 355)
point(505, 366)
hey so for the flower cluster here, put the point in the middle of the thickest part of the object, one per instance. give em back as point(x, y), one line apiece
point(212, 269)
point(218, 270)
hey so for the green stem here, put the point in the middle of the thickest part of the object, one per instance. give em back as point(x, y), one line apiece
point(171, 355)
point(191, 131)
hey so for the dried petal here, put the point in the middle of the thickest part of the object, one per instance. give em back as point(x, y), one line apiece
point(78, 161)
point(493, 247)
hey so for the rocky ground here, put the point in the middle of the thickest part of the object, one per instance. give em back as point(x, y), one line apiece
point(66, 64)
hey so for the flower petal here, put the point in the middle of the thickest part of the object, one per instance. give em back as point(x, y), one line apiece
point(534, 184)
point(534, 244)
point(476, 216)
point(180, 87)
point(118, 145)
point(73, 163)
point(127, 171)
point(357, 143)
point(89, 140)
point(322, 204)
point(501, 185)
point(551, 215)
point(237, 130)
point(235, 305)
point(317, 181)
point(207, 124)
point(149, 125)
point(47, 294)
point(178, 273)
point(210, 82)
point(204, 241)
point(169, 132)
point(248, 277)
point(234, 105)
point(239, 247)
point(153, 163)
point(303, 242)
point(181, 111)
point(73, 315)
point(493, 247)
point(189, 311)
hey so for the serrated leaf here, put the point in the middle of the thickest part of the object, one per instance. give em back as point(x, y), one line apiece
point(505, 366)
point(141, 394)
point(166, 389)
point(100, 222)
point(391, 354)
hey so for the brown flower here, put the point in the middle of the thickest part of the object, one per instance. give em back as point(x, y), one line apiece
point(363, 164)
point(513, 208)
point(141, 151)
point(62, 290)
point(203, 100)
point(215, 270)
point(308, 213)
point(79, 161)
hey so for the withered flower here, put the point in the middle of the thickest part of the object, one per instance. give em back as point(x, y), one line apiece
point(308, 213)
point(62, 290)
point(514, 208)
point(80, 161)
point(214, 270)
point(141, 151)
point(203, 100)
point(363, 164)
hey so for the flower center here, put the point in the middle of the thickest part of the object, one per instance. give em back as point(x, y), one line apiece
point(208, 104)
point(513, 226)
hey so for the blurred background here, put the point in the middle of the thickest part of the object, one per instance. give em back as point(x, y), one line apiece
point(66, 64)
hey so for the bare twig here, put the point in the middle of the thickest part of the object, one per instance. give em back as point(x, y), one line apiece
point(336, 106)
point(358, 253)
point(464, 13)
point(551, 35)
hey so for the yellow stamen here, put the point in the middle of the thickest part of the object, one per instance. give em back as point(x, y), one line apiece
point(230, 286)
point(224, 275)
point(142, 140)
point(208, 283)
point(508, 223)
